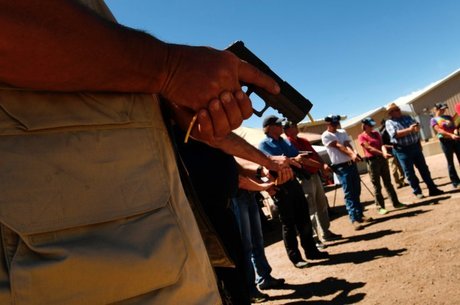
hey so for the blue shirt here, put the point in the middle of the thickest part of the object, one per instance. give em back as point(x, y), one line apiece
point(393, 125)
point(280, 147)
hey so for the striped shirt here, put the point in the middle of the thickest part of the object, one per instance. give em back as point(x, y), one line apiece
point(393, 125)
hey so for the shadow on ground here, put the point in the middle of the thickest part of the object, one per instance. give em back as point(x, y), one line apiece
point(339, 290)
point(358, 257)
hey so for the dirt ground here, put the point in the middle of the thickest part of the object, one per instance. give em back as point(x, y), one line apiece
point(409, 256)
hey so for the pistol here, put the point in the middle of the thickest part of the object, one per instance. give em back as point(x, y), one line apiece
point(289, 102)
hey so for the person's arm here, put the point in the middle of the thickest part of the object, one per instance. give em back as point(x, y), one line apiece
point(401, 133)
point(249, 184)
point(256, 171)
point(445, 134)
point(63, 46)
point(372, 150)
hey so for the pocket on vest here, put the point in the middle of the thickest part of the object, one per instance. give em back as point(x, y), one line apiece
point(90, 204)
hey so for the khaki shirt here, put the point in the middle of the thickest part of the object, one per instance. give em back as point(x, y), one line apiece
point(91, 206)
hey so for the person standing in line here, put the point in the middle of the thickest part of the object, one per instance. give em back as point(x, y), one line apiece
point(344, 158)
point(313, 187)
point(404, 133)
point(246, 210)
point(290, 198)
point(395, 167)
point(376, 156)
point(445, 129)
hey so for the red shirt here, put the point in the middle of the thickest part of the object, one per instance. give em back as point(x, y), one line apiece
point(303, 144)
point(374, 140)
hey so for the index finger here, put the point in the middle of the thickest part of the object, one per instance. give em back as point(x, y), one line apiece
point(251, 75)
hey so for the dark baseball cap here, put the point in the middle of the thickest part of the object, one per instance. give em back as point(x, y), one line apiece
point(333, 119)
point(289, 124)
point(368, 121)
point(272, 120)
point(440, 106)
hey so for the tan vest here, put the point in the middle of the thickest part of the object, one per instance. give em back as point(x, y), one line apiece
point(91, 206)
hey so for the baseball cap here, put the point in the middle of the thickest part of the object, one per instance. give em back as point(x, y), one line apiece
point(440, 106)
point(368, 121)
point(271, 120)
point(289, 124)
point(333, 119)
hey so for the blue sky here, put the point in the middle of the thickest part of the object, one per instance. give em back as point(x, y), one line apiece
point(346, 56)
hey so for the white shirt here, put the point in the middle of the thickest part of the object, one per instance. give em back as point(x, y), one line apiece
point(335, 154)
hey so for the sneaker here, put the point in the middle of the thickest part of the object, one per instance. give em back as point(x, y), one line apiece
point(357, 226)
point(367, 219)
point(270, 283)
point(320, 246)
point(331, 236)
point(436, 192)
point(258, 297)
point(301, 264)
point(419, 196)
point(382, 211)
point(400, 205)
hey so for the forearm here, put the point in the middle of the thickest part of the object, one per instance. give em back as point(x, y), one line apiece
point(236, 146)
point(249, 184)
point(98, 55)
point(345, 150)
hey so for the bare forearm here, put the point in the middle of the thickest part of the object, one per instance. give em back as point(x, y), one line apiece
point(236, 146)
point(66, 47)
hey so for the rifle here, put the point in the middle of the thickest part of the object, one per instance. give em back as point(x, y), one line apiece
point(289, 102)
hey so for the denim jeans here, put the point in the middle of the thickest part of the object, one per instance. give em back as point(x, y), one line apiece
point(410, 156)
point(451, 147)
point(247, 214)
point(349, 178)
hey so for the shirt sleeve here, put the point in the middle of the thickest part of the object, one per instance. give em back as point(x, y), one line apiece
point(265, 148)
point(391, 129)
point(327, 138)
point(433, 122)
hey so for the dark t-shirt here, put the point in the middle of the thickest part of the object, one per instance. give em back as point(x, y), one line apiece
point(214, 174)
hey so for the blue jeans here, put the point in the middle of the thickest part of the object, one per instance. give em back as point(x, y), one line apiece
point(349, 178)
point(247, 214)
point(410, 156)
point(451, 147)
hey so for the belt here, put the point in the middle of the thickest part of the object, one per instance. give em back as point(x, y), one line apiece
point(343, 164)
point(373, 158)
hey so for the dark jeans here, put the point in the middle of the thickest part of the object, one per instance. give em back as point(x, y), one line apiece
point(351, 185)
point(247, 214)
point(410, 156)
point(295, 219)
point(378, 168)
point(451, 147)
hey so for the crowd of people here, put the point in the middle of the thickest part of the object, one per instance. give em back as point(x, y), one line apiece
point(122, 181)
point(395, 144)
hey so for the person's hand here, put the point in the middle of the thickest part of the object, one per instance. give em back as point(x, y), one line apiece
point(415, 127)
point(326, 169)
point(278, 162)
point(356, 157)
point(455, 137)
point(387, 155)
point(197, 76)
point(283, 175)
point(209, 125)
